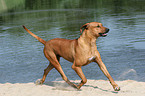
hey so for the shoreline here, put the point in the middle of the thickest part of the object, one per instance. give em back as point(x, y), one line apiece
point(60, 88)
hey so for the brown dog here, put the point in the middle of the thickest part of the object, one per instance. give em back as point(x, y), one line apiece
point(80, 52)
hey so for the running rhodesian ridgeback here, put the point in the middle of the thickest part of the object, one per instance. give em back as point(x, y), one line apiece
point(80, 52)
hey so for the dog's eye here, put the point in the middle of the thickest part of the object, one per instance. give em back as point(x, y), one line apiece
point(98, 26)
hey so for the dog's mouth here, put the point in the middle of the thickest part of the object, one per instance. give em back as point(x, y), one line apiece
point(104, 34)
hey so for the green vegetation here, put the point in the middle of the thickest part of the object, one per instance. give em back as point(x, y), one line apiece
point(63, 11)
point(10, 4)
point(6, 5)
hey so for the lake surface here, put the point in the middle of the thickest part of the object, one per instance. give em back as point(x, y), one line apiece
point(21, 55)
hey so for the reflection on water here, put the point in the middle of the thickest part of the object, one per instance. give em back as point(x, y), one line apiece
point(21, 56)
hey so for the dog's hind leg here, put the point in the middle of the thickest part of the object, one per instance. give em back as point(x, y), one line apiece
point(46, 71)
point(54, 60)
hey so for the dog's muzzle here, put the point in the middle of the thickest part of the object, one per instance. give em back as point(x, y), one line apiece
point(104, 34)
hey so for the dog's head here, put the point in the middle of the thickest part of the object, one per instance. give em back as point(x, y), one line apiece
point(96, 28)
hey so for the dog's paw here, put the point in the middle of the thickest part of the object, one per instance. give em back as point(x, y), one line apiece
point(117, 88)
point(76, 87)
point(38, 82)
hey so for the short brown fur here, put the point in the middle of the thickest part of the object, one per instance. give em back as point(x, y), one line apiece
point(80, 52)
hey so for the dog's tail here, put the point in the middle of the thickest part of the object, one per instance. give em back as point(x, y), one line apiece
point(35, 36)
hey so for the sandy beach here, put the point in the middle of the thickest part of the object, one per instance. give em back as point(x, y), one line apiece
point(60, 88)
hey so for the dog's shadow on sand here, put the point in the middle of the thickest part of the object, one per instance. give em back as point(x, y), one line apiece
point(60, 86)
point(65, 87)
point(95, 87)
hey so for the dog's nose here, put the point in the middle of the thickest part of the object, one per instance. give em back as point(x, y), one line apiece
point(107, 30)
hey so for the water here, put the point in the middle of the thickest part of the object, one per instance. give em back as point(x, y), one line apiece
point(122, 51)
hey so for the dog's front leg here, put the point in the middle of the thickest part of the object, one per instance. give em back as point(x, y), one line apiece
point(102, 66)
point(80, 73)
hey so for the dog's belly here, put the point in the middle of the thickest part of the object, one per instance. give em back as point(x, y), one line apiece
point(67, 55)
point(69, 58)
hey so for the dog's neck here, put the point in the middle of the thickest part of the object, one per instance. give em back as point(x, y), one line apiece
point(88, 38)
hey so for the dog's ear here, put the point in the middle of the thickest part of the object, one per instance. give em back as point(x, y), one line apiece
point(85, 26)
